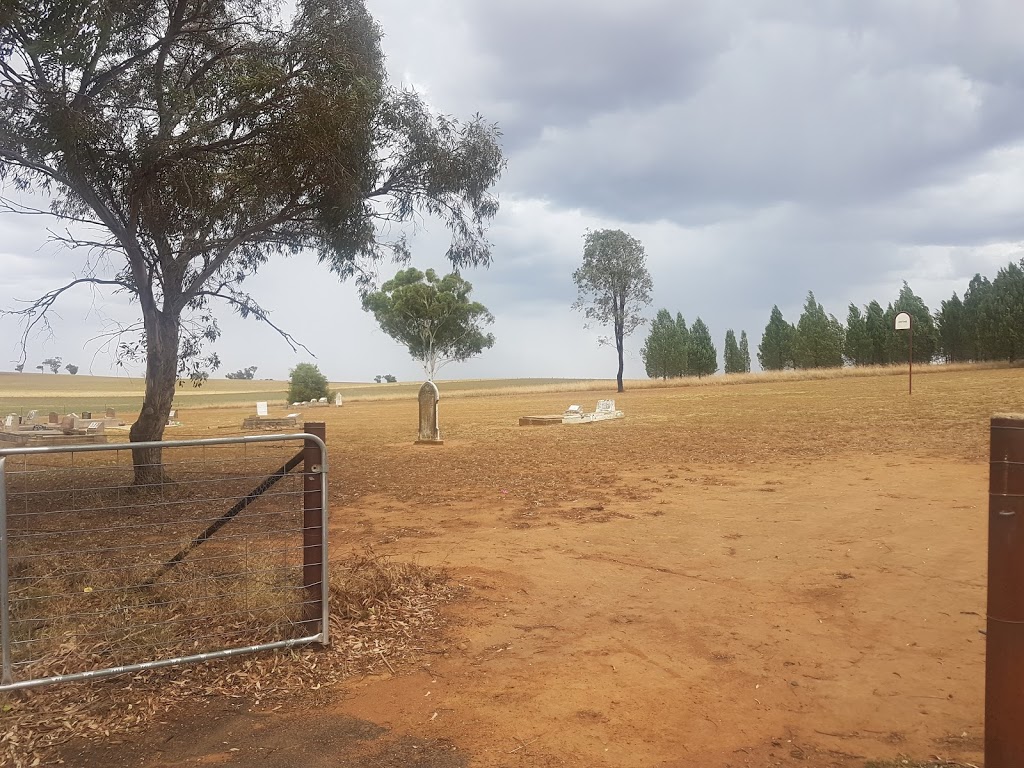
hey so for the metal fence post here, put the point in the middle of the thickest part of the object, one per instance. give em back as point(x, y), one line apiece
point(313, 512)
point(1004, 646)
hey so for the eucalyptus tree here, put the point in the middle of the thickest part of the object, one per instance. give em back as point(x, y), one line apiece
point(185, 143)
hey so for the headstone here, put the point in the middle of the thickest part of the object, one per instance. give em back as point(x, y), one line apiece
point(67, 424)
point(605, 406)
point(573, 410)
point(261, 408)
point(429, 397)
point(54, 417)
point(111, 414)
point(172, 415)
point(337, 398)
point(95, 427)
point(9, 421)
point(86, 414)
point(32, 416)
point(322, 400)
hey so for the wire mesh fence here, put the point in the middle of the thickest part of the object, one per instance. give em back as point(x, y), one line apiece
point(103, 575)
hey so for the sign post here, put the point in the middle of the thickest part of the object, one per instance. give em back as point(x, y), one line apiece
point(904, 323)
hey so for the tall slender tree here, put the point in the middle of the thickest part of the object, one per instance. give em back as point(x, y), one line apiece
point(703, 357)
point(731, 353)
point(744, 352)
point(857, 346)
point(681, 348)
point(819, 338)
point(775, 352)
point(613, 285)
point(660, 351)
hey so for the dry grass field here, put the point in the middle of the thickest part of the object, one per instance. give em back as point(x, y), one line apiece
point(784, 572)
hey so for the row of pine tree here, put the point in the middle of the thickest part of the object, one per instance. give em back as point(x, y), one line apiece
point(987, 324)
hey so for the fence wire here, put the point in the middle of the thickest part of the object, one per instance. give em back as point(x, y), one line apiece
point(103, 573)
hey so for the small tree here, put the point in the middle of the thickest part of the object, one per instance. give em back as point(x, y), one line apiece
point(744, 352)
point(378, 379)
point(53, 363)
point(703, 357)
point(244, 373)
point(306, 383)
point(775, 352)
point(857, 345)
point(72, 369)
point(733, 364)
point(613, 285)
point(432, 316)
point(389, 379)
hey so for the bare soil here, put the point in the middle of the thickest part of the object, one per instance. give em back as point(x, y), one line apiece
point(774, 574)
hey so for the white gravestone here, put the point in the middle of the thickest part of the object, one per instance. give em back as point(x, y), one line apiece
point(261, 408)
point(605, 406)
point(337, 398)
point(9, 421)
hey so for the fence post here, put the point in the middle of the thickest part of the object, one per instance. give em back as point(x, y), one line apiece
point(1004, 645)
point(312, 529)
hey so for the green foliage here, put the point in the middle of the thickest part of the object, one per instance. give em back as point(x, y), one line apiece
point(857, 346)
point(775, 352)
point(926, 337)
point(53, 363)
point(70, 368)
point(703, 357)
point(733, 363)
point(306, 383)
point(744, 352)
point(243, 374)
point(818, 342)
point(613, 285)
point(432, 316)
point(389, 379)
point(665, 351)
point(201, 139)
point(951, 321)
point(879, 332)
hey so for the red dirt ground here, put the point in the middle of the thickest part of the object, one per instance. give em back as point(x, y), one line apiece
point(773, 574)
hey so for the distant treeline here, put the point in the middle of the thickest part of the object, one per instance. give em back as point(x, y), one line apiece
point(986, 324)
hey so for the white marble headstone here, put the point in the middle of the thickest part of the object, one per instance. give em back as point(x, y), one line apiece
point(261, 408)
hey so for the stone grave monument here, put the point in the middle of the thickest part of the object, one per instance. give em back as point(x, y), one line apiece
point(430, 434)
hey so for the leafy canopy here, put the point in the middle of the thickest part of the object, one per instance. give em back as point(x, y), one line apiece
point(306, 383)
point(432, 316)
point(613, 284)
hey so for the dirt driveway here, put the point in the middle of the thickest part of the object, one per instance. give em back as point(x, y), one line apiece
point(754, 575)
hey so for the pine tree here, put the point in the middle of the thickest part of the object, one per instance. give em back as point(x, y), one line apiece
point(732, 353)
point(775, 352)
point(953, 342)
point(660, 351)
point(819, 338)
point(681, 348)
point(878, 334)
point(703, 357)
point(744, 352)
point(926, 340)
point(857, 349)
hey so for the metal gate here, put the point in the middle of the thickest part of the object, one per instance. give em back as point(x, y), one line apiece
point(100, 576)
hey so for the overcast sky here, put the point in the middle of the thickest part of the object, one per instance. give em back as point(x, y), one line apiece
point(757, 149)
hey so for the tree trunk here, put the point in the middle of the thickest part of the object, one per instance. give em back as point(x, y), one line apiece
point(618, 348)
point(161, 378)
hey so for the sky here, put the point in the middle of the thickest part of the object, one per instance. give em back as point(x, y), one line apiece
point(758, 150)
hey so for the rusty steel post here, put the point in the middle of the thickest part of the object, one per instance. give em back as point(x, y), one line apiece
point(312, 528)
point(1004, 646)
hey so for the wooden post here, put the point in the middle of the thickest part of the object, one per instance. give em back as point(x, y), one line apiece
point(312, 529)
point(1004, 643)
point(910, 361)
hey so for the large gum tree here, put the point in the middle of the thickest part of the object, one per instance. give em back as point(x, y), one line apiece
point(184, 143)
